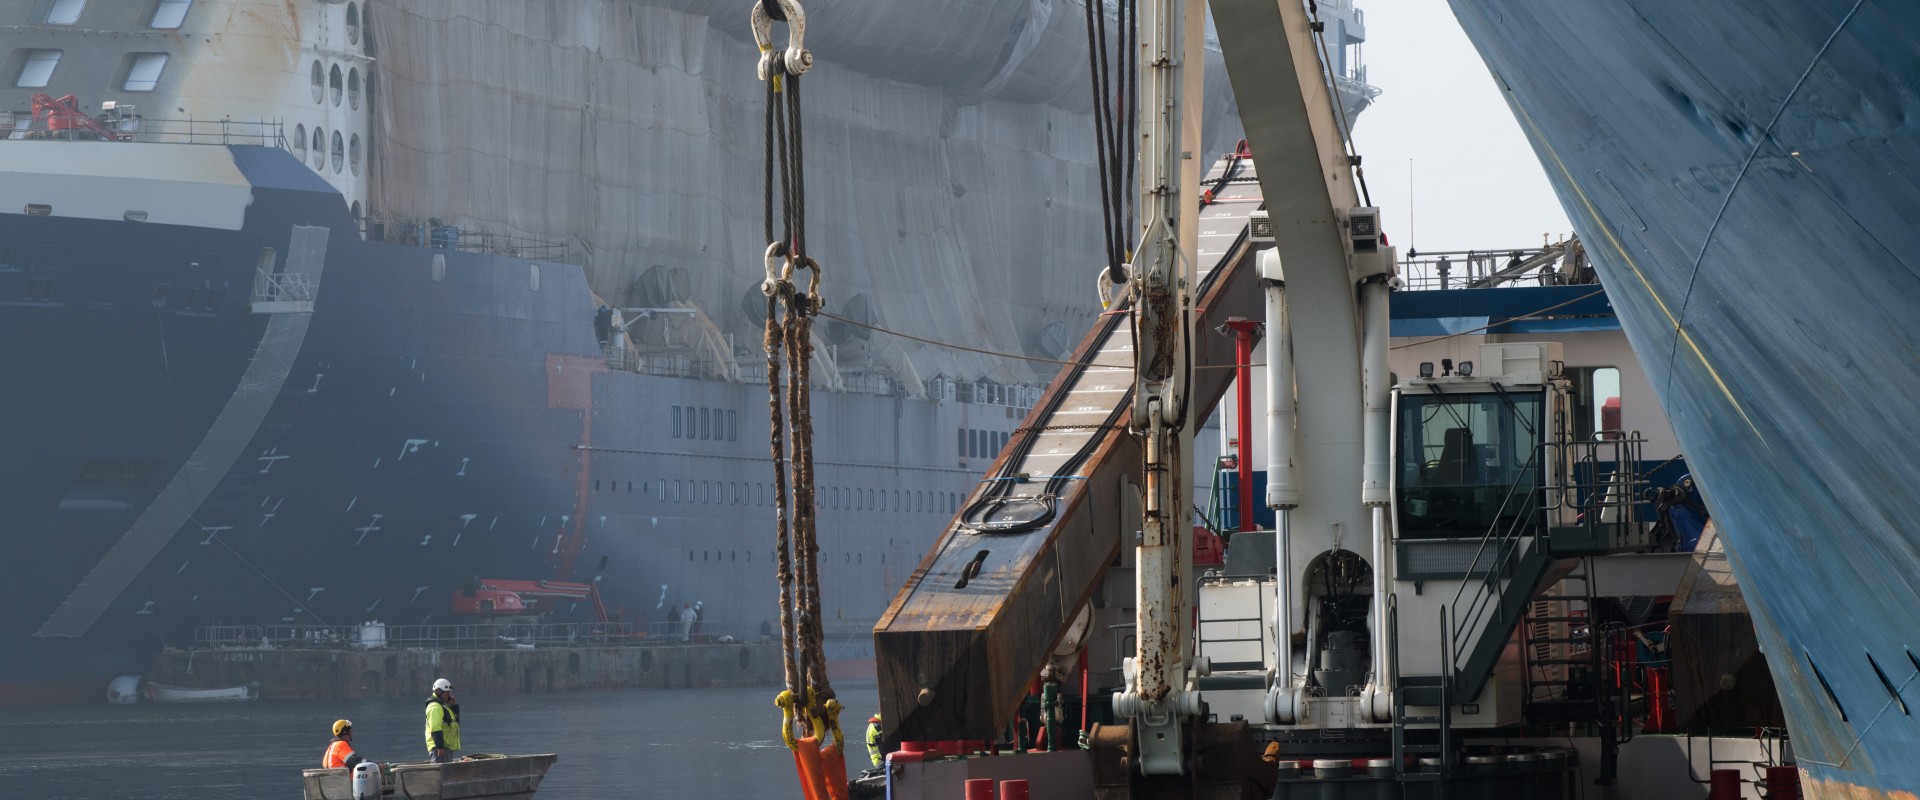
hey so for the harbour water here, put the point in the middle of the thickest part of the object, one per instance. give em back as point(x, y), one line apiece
point(719, 744)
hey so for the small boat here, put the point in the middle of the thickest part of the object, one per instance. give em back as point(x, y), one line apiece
point(164, 693)
point(476, 777)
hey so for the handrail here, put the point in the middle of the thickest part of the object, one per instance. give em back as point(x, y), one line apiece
point(473, 636)
point(1507, 545)
point(1590, 497)
point(267, 133)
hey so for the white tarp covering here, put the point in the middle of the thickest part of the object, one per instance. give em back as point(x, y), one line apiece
point(949, 155)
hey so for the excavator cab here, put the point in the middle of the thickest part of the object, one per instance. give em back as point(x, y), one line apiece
point(1474, 451)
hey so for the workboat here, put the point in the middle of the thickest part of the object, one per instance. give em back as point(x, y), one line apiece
point(164, 693)
point(489, 777)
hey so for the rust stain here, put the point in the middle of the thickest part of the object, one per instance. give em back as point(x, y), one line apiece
point(570, 386)
point(293, 18)
point(1840, 790)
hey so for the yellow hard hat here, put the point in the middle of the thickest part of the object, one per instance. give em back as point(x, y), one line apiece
point(341, 725)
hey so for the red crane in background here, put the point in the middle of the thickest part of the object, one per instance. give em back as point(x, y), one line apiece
point(493, 597)
point(64, 117)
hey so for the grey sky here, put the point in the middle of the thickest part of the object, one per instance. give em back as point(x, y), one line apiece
point(1476, 183)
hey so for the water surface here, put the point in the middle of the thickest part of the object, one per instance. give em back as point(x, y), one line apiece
point(692, 743)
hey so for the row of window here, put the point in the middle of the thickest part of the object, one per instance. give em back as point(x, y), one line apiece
point(849, 557)
point(730, 493)
point(346, 152)
point(976, 443)
point(705, 423)
point(167, 14)
point(143, 70)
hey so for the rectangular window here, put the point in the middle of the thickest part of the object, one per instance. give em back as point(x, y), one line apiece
point(963, 442)
point(733, 426)
point(703, 423)
point(145, 72)
point(676, 422)
point(170, 14)
point(65, 12)
point(38, 69)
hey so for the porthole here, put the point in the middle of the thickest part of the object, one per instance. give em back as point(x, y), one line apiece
point(353, 24)
point(300, 141)
point(336, 83)
point(319, 82)
point(353, 154)
point(339, 152)
point(353, 87)
point(319, 148)
point(355, 210)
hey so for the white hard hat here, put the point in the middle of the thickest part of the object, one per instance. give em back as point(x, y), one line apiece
point(443, 685)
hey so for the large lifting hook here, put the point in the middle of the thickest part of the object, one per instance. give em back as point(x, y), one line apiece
point(797, 58)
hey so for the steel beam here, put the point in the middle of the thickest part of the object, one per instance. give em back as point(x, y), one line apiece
point(954, 661)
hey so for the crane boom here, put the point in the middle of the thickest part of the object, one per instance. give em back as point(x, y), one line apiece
point(1158, 698)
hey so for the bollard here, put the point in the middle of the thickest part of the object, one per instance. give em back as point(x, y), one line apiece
point(979, 789)
point(1725, 785)
point(1013, 790)
point(1783, 783)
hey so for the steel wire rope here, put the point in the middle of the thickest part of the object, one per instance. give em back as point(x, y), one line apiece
point(1340, 108)
point(808, 701)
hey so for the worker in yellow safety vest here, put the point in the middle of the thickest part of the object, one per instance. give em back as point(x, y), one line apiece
point(443, 723)
point(873, 739)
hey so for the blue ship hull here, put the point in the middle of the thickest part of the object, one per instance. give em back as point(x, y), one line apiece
point(1743, 175)
point(434, 422)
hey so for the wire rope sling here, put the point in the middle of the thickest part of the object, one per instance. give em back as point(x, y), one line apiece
point(810, 714)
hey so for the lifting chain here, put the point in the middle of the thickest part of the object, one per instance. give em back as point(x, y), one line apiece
point(792, 287)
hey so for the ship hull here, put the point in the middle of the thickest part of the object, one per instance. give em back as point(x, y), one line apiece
point(442, 415)
point(1740, 172)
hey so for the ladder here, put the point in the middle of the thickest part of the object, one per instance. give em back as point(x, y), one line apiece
point(1570, 679)
point(1442, 721)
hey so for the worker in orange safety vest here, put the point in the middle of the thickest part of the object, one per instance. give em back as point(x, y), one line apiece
point(340, 753)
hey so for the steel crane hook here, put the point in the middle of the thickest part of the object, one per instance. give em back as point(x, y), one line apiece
point(797, 58)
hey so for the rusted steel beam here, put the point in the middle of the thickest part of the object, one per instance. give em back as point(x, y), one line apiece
point(955, 658)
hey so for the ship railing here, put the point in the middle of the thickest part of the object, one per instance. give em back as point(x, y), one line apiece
point(134, 128)
point(473, 636)
point(1019, 396)
point(431, 233)
point(665, 365)
point(287, 292)
point(1484, 269)
point(866, 383)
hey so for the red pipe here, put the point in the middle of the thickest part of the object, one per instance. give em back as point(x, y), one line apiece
point(1083, 690)
point(1243, 331)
